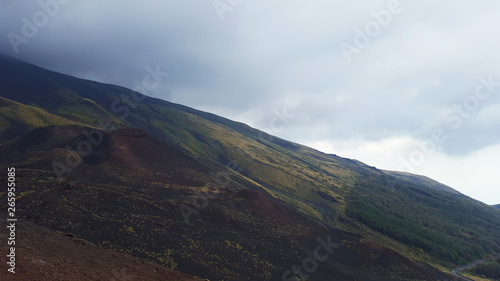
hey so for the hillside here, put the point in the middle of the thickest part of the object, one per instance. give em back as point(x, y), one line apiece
point(130, 200)
point(48, 255)
point(422, 181)
point(413, 215)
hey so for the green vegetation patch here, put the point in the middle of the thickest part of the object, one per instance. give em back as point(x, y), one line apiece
point(453, 228)
point(489, 269)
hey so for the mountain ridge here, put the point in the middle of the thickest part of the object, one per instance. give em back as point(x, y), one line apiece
point(411, 214)
point(245, 128)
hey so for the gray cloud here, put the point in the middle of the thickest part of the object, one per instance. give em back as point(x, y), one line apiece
point(266, 56)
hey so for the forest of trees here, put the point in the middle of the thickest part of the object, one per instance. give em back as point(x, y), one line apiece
point(450, 227)
point(490, 270)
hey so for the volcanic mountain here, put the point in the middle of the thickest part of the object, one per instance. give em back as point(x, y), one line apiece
point(218, 199)
point(125, 198)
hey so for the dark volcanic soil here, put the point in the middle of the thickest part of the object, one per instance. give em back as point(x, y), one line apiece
point(42, 254)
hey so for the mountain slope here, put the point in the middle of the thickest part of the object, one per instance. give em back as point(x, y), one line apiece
point(497, 206)
point(17, 118)
point(129, 200)
point(414, 215)
point(422, 181)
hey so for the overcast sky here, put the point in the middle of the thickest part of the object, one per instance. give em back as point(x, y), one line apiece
point(400, 85)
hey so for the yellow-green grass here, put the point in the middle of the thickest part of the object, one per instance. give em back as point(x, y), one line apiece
point(32, 116)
